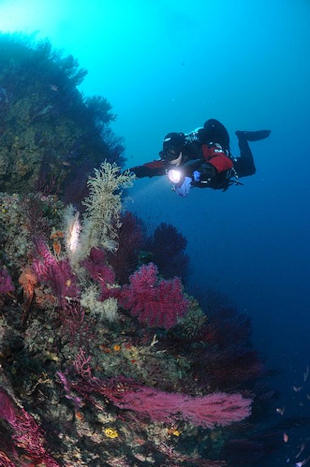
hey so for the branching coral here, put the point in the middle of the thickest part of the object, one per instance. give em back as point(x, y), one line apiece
point(88, 305)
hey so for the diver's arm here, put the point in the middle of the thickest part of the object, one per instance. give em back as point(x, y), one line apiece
point(150, 169)
point(205, 169)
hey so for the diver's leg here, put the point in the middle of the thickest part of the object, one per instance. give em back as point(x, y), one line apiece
point(245, 165)
point(254, 135)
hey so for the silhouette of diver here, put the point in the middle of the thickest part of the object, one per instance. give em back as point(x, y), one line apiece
point(202, 158)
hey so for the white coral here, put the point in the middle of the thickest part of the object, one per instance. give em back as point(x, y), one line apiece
point(106, 310)
point(103, 207)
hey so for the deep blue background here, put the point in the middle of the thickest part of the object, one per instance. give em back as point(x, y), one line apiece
point(170, 65)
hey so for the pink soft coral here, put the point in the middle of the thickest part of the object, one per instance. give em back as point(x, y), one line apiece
point(155, 303)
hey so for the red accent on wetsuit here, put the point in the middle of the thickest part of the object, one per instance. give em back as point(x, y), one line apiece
point(156, 164)
point(217, 157)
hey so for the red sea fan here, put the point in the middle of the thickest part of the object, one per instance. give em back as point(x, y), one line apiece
point(155, 303)
point(5, 461)
point(167, 246)
point(218, 408)
point(130, 240)
point(207, 411)
point(228, 359)
point(228, 368)
point(7, 410)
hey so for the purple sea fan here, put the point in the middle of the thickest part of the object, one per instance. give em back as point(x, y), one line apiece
point(155, 303)
point(26, 433)
point(6, 284)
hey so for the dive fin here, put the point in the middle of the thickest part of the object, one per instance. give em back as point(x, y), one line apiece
point(253, 135)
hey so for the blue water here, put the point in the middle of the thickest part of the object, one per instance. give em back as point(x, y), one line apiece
point(170, 65)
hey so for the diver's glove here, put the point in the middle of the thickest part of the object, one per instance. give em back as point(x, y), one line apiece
point(196, 176)
point(183, 189)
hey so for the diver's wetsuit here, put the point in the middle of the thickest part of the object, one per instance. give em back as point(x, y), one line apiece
point(207, 150)
point(214, 131)
point(244, 165)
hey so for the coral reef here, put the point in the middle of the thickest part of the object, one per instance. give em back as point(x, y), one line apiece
point(104, 358)
point(94, 385)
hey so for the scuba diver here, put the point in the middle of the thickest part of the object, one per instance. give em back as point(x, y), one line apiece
point(203, 159)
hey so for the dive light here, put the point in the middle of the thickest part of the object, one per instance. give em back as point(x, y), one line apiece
point(175, 175)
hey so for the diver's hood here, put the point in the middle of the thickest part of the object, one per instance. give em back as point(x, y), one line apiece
point(173, 145)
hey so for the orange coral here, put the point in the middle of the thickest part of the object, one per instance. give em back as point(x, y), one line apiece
point(79, 415)
point(56, 247)
point(56, 236)
point(105, 348)
point(28, 280)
